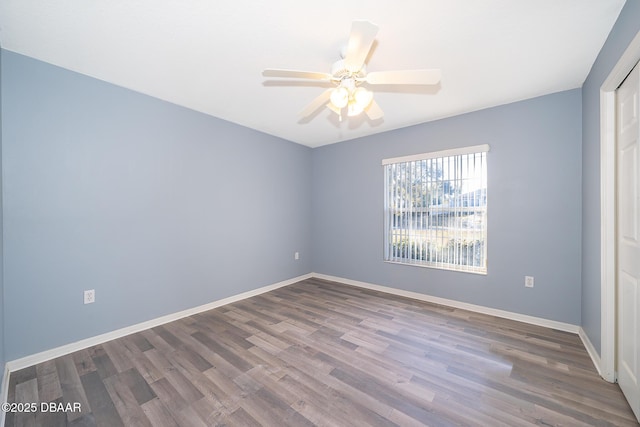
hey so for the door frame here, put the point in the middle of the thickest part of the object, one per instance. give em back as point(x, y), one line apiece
point(623, 67)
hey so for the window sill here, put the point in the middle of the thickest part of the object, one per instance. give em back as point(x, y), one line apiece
point(472, 270)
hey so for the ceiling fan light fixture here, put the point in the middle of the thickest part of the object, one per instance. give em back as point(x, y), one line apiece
point(354, 109)
point(363, 97)
point(340, 97)
point(360, 100)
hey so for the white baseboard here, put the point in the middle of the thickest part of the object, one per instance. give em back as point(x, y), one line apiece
point(593, 353)
point(566, 327)
point(34, 359)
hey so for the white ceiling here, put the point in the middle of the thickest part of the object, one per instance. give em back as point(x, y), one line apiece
point(208, 55)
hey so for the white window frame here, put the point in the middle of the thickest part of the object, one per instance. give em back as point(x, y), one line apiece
point(459, 256)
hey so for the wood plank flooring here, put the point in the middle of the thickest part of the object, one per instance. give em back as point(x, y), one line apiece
point(319, 353)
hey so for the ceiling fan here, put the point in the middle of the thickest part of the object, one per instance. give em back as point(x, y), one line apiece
point(349, 74)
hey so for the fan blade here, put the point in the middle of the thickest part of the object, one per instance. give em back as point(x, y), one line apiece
point(374, 112)
point(296, 74)
point(404, 77)
point(320, 101)
point(363, 33)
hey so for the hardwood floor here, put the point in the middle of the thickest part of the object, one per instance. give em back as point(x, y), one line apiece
point(326, 354)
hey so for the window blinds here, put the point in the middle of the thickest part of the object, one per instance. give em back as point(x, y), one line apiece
point(436, 209)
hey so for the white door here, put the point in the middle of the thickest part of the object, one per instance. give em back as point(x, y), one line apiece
point(628, 239)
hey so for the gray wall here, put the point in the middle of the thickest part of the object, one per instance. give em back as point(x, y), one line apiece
point(625, 29)
point(156, 207)
point(534, 190)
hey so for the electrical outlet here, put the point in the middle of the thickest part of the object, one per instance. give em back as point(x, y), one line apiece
point(90, 296)
point(296, 255)
point(528, 281)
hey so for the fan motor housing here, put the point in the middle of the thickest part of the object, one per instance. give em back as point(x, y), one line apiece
point(339, 71)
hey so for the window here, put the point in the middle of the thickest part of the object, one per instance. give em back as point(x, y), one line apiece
point(435, 209)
